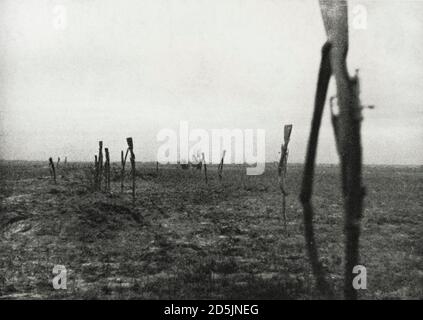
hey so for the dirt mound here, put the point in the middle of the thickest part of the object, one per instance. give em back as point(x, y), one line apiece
point(102, 219)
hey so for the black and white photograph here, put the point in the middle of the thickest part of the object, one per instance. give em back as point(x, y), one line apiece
point(231, 151)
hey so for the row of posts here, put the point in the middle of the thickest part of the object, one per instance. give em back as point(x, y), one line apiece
point(102, 167)
point(203, 164)
point(53, 167)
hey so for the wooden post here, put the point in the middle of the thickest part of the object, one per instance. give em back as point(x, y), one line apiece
point(132, 159)
point(100, 164)
point(282, 168)
point(220, 168)
point(348, 136)
point(205, 167)
point(157, 167)
point(123, 162)
point(347, 126)
point(107, 170)
point(58, 161)
point(52, 169)
point(66, 161)
point(95, 171)
point(318, 269)
point(122, 170)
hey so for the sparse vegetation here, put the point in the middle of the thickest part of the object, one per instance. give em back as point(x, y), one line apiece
point(183, 238)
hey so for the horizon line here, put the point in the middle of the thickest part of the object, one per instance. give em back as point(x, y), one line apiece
point(238, 164)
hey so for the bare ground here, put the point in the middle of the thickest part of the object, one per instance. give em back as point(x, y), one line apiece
point(184, 239)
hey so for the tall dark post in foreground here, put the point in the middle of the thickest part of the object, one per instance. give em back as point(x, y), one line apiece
point(132, 159)
point(349, 136)
point(282, 168)
point(308, 174)
point(347, 127)
point(52, 169)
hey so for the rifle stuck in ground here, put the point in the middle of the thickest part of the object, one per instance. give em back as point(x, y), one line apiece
point(52, 169)
point(346, 126)
point(220, 168)
point(107, 170)
point(132, 159)
point(282, 169)
point(205, 167)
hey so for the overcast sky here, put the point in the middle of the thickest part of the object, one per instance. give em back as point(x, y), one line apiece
point(75, 72)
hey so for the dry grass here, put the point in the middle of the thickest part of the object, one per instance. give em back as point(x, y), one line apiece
point(184, 239)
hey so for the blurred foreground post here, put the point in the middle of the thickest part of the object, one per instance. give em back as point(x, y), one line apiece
point(347, 125)
point(282, 168)
point(52, 169)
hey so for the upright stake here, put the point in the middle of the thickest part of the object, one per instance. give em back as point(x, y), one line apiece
point(205, 167)
point(348, 123)
point(157, 167)
point(52, 169)
point(107, 170)
point(308, 174)
point(100, 164)
point(131, 151)
point(220, 168)
point(347, 127)
point(122, 172)
point(283, 163)
point(58, 161)
point(123, 162)
point(95, 171)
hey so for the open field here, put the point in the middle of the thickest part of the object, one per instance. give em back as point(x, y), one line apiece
point(184, 239)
